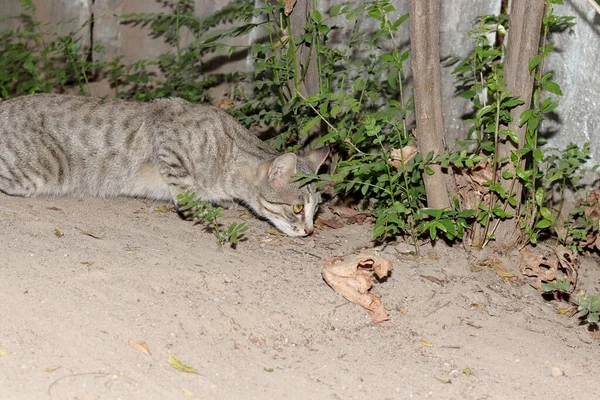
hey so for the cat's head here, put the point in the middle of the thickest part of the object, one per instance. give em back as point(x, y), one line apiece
point(288, 206)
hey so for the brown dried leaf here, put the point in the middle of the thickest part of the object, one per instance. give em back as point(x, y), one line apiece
point(433, 279)
point(543, 265)
point(332, 222)
point(224, 104)
point(289, 6)
point(352, 279)
point(58, 233)
point(399, 157)
point(140, 346)
point(90, 234)
point(53, 208)
point(350, 215)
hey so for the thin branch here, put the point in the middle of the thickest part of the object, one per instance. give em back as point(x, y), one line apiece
point(595, 5)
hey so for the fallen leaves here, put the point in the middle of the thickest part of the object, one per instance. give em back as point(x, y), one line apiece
point(399, 157)
point(140, 346)
point(350, 215)
point(224, 104)
point(90, 234)
point(352, 279)
point(543, 265)
point(289, 6)
point(178, 365)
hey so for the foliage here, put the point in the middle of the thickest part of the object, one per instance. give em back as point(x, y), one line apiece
point(209, 215)
point(31, 64)
point(185, 71)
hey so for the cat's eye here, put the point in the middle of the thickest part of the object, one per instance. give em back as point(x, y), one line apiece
point(298, 208)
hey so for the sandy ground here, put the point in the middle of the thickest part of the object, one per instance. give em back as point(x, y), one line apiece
point(259, 322)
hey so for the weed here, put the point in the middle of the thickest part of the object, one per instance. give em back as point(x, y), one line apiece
point(210, 215)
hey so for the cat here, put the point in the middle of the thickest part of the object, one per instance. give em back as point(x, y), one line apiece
point(85, 146)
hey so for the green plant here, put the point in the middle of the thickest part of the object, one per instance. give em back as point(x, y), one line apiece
point(210, 215)
point(480, 78)
point(588, 307)
point(185, 72)
point(31, 64)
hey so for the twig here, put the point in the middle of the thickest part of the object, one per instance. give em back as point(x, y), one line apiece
point(595, 5)
point(437, 309)
point(100, 373)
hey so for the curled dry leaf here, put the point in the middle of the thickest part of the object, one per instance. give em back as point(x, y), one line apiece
point(350, 215)
point(90, 234)
point(545, 266)
point(470, 183)
point(224, 104)
point(399, 157)
point(352, 279)
point(140, 346)
point(332, 222)
point(289, 6)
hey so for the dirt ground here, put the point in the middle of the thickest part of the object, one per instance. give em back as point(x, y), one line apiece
point(79, 278)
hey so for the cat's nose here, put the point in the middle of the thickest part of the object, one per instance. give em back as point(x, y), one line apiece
point(309, 230)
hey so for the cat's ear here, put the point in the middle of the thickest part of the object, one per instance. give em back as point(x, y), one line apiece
point(316, 157)
point(282, 169)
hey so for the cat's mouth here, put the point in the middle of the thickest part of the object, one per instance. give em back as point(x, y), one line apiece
point(292, 230)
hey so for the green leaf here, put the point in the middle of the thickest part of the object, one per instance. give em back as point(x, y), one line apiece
point(534, 62)
point(543, 224)
point(538, 155)
point(335, 10)
point(525, 115)
point(552, 87)
point(548, 287)
point(310, 124)
point(539, 197)
point(546, 213)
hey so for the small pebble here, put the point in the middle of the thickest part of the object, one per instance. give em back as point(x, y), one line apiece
point(556, 372)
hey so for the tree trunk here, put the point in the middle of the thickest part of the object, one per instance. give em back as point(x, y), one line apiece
point(425, 65)
point(306, 60)
point(523, 42)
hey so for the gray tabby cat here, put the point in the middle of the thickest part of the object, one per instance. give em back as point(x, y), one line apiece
point(58, 145)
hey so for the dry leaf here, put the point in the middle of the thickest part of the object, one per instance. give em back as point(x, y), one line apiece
point(49, 370)
point(352, 279)
point(275, 233)
point(140, 346)
point(543, 265)
point(566, 310)
point(332, 223)
point(289, 6)
point(187, 392)
point(58, 233)
point(426, 343)
point(4, 353)
point(399, 157)
point(90, 234)
point(224, 104)
point(177, 364)
point(53, 208)
point(350, 215)
point(433, 279)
